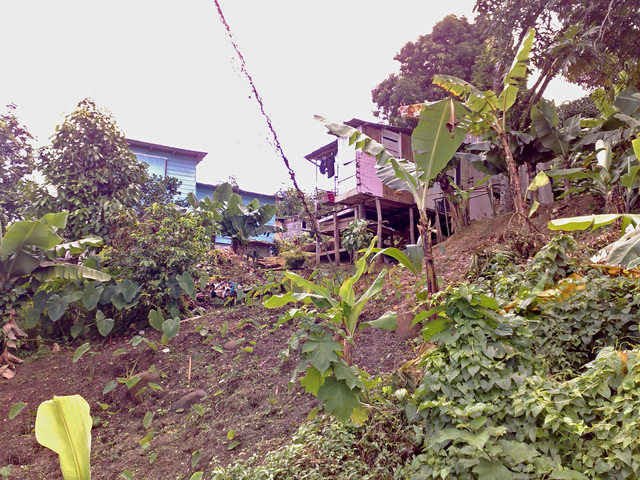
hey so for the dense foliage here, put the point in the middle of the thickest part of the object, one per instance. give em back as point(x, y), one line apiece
point(17, 160)
point(155, 248)
point(588, 42)
point(160, 190)
point(325, 449)
point(94, 174)
point(452, 48)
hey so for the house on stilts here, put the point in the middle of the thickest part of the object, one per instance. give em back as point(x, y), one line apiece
point(347, 182)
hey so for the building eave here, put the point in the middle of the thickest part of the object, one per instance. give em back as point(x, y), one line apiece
point(166, 149)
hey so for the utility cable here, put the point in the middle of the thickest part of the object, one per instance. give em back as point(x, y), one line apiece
point(276, 141)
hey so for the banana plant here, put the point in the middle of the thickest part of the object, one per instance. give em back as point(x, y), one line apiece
point(624, 252)
point(607, 162)
point(487, 112)
point(63, 425)
point(440, 131)
point(237, 220)
point(29, 252)
point(327, 363)
point(560, 139)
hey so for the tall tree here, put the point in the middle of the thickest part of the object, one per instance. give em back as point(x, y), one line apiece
point(16, 161)
point(93, 172)
point(590, 43)
point(451, 48)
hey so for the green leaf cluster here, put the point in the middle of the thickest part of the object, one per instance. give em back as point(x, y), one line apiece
point(236, 220)
point(507, 395)
point(29, 257)
point(326, 361)
point(93, 172)
point(356, 236)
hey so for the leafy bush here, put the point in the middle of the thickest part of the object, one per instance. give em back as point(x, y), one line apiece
point(157, 248)
point(592, 312)
point(324, 449)
point(356, 237)
point(92, 170)
point(294, 259)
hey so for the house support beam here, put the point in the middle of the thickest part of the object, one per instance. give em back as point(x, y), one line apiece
point(412, 227)
point(379, 212)
point(336, 237)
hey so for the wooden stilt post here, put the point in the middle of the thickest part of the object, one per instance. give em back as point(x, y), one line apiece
point(336, 237)
point(412, 227)
point(361, 212)
point(379, 232)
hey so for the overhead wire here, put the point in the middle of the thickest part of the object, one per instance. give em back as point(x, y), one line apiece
point(276, 140)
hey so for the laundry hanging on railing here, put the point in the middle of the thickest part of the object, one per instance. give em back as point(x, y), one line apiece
point(328, 165)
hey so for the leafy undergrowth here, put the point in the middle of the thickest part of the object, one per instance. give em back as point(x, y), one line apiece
point(232, 354)
point(504, 395)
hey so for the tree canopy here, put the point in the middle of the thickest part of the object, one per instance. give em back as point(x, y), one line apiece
point(591, 43)
point(92, 171)
point(451, 48)
point(16, 161)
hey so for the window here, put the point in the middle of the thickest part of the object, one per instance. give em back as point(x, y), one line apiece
point(157, 165)
point(391, 141)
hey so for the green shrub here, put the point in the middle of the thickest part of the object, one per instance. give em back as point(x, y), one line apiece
point(356, 237)
point(154, 250)
point(595, 312)
point(325, 449)
point(294, 259)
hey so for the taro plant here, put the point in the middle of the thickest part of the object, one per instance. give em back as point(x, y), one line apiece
point(325, 319)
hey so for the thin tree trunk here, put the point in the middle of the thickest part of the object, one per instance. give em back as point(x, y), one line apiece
point(427, 249)
point(457, 212)
point(514, 184)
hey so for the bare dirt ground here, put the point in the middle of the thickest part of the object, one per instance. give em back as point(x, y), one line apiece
point(244, 381)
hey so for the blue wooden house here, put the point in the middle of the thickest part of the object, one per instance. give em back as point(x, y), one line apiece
point(261, 243)
point(169, 162)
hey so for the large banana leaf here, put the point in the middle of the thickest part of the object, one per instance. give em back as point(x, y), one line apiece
point(628, 101)
point(439, 133)
point(64, 425)
point(49, 271)
point(592, 221)
point(475, 100)
point(28, 233)
point(624, 252)
point(518, 72)
point(401, 175)
point(488, 101)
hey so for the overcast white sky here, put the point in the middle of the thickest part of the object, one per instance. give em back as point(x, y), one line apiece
point(167, 72)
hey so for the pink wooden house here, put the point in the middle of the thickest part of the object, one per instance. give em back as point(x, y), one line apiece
point(353, 188)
